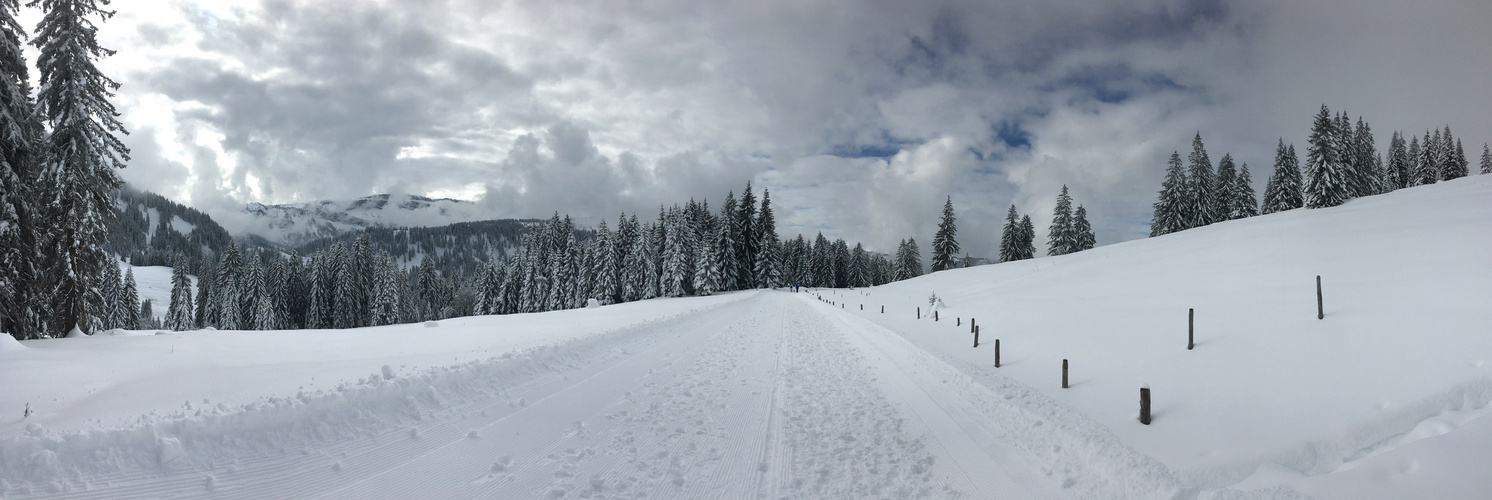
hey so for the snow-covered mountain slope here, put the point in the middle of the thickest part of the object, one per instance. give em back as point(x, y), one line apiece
point(771, 394)
point(293, 224)
point(1271, 395)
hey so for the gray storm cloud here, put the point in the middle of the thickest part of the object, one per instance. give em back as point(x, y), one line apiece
point(859, 116)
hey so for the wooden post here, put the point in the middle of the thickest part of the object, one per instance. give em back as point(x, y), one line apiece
point(935, 315)
point(1191, 316)
point(1320, 313)
point(997, 353)
point(959, 321)
point(1064, 374)
point(862, 307)
point(976, 337)
point(883, 308)
point(1145, 404)
point(919, 312)
point(972, 324)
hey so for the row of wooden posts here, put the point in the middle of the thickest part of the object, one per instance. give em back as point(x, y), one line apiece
point(1191, 343)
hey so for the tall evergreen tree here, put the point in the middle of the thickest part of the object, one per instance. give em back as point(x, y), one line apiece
point(1364, 160)
point(1425, 170)
point(230, 290)
point(129, 302)
point(1455, 167)
point(1171, 212)
point(1061, 238)
point(1027, 245)
point(1008, 235)
point(859, 267)
point(22, 297)
point(1486, 159)
point(83, 152)
point(912, 263)
point(745, 242)
point(113, 282)
point(1226, 183)
point(179, 313)
point(1327, 183)
point(1245, 202)
point(945, 242)
point(1399, 164)
point(205, 280)
point(1202, 200)
point(765, 269)
point(1082, 230)
point(386, 296)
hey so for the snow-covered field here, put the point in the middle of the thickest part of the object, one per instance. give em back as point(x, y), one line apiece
point(773, 394)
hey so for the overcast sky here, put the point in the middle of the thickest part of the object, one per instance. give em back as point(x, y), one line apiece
point(860, 116)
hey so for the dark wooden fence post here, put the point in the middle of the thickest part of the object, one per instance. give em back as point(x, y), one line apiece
point(1145, 404)
point(919, 312)
point(959, 321)
point(972, 324)
point(1064, 374)
point(1320, 313)
point(997, 353)
point(1191, 316)
point(862, 307)
point(935, 315)
point(976, 337)
point(883, 308)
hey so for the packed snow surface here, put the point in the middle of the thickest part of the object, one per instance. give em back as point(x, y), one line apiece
point(770, 394)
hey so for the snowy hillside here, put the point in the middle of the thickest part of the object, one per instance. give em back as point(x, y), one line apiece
point(820, 394)
point(297, 223)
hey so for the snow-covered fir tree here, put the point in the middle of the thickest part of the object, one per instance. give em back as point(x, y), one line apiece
point(804, 270)
point(1007, 235)
point(945, 242)
point(230, 292)
point(83, 154)
point(1425, 169)
point(23, 297)
point(205, 279)
point(745, 242)
point(129, 302)
point(765, 269)
point(1244, 202)
point(674, 256)
point(1061, 238)
point(1226, 182)
point(1026, 247)
point(109, 289)
point(707, 260)
point(1082, 230)
point(1399, 169)
point(1326, 182)
point(841, 263)
point(1171, 212)
point(607, 268)
point(1453, 162)
point(911, 263)
point(386, 293)
point(1365, 164)
point(1285, 190)
point(859, 267)
point(1486, 159)
point(179, 313)
point(1201, 207)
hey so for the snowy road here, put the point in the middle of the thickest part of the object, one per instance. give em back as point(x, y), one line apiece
point(769, 397)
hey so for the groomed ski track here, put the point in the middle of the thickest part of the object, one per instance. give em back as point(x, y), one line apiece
point(775, 395)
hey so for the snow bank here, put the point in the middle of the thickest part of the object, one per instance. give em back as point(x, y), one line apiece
point(197, 400)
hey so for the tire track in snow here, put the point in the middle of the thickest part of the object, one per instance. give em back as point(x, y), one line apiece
point(974, 455)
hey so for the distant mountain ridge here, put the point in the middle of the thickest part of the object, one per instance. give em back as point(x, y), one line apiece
point(296, 224)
